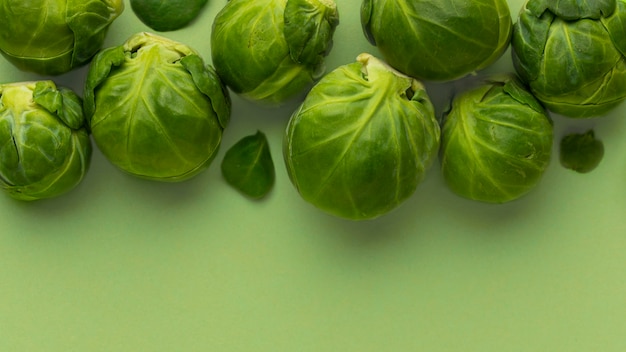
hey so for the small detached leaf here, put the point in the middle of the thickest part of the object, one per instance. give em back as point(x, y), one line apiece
point(248, 166)
point(581, 152)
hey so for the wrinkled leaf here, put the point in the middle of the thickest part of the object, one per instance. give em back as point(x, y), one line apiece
point(248, 166)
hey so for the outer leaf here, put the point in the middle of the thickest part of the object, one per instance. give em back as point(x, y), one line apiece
point(168, 15)
point(367, 6)
point(99, 70)
point(309, 27)
point(528, 42)
point(62, 102)
point(616, 26)
point(248, 166)
point(209, 83)
point(89, 21)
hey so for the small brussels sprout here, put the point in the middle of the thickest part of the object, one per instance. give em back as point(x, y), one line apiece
point(45, 150)
point(169, 15)
point(571, 54)
point(248, 166)
point(155, 109)
point(581, 152)
point(362, 140)
point(438, 40)
point(496, 142)
point(269, 51)
point(54, 37)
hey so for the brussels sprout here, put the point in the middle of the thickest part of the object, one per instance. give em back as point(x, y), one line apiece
point(362, 140)
point(167, 15)
point(268, 51)
point(571, 53)
point(54, 37)
point(496, 142)
point(45, 148)
point(438, 40)
point(248, 166)
point(581, 152)
point(155, 109)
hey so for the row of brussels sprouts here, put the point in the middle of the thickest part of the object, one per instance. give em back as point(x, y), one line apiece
point(365, 134)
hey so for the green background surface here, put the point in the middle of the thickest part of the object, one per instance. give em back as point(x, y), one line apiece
point(123, 264)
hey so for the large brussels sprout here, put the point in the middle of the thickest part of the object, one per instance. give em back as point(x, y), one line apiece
point(55, 36)
point(572, 54)
point(496, 141)
point(271, 50)
point(362, 140)
point(155, 109)
point(438, 40)
point(45, 148)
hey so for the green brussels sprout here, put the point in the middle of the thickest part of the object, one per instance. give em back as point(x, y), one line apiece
point(269, 51)
point(54, 37)
point(362, 140)
point(45, 150)
point(167, 15)
point(155, 109)
point(496, 141)
point(572, 54)
point(581, 152)
point(438, 40)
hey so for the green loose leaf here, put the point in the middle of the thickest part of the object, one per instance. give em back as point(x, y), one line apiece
point(581, 152)
point(167, 15)
point(248, 166)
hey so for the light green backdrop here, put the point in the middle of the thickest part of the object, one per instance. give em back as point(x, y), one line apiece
point(122, 264)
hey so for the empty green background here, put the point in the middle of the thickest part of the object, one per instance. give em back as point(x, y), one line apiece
point(123, 264)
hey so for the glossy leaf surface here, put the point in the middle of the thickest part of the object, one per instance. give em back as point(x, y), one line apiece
point(248, 166)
